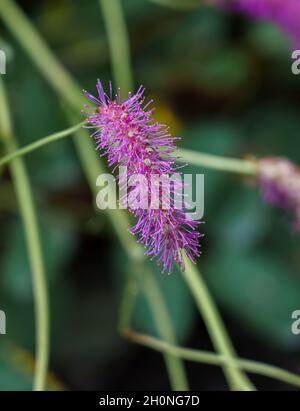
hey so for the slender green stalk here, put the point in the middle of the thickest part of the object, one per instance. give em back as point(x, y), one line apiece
point(141, 277)
point(181, 4)
point(162, 319)
point(130, 293)
point(39, 143)
point(216, 329)
point(232, 165)
point(40, 53)
point(207, 357)
point(118, 43)
point(27, 210)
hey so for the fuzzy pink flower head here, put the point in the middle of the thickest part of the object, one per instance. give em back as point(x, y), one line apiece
point(280, 183)
point(128, 135)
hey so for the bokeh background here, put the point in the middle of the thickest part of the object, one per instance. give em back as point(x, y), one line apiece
point(224, 84)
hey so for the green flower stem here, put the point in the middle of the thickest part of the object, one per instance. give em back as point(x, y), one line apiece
point(216, 329)
point(141, 277)
point(181, 4)
point(39, 143)
point(118, 44)
point(27, 210)
point(162, 319)
point(130, 293)
point(231, 165)
point(40, 53)
point(207, 357)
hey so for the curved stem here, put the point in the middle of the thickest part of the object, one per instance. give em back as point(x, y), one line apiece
point(27, 209)
point(207, 357)
point(141, 277)
point(37, 49)
point(130, 293)
point(40, 143)
point(163, 322)
point(232, 165)
point(216, 329)
point(118, 43)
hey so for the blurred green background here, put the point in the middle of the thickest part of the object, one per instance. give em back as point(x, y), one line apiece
point(224, 84)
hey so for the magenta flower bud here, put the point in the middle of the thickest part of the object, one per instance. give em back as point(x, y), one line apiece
point(280, 184)
point(127, 134)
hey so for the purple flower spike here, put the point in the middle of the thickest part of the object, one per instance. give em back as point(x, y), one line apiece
point(280, 183)
point(127, 134)
point(284, 13)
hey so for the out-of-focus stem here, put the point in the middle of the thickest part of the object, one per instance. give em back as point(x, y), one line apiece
point(207, 357)
point(232, 165)
point(142, 278)
point(118, 43)
point(39, 143)
point(216, 329)
point(181, 4)
point(28, 214)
